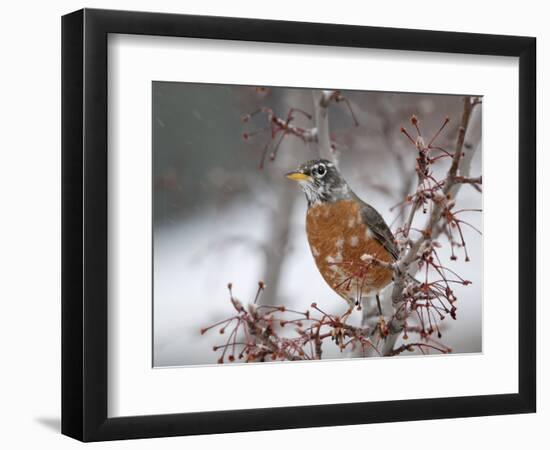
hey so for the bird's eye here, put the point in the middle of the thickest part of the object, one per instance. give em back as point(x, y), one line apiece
point(321, 170)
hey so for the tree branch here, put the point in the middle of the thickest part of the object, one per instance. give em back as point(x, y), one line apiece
point(402, 277)
point(321, 101)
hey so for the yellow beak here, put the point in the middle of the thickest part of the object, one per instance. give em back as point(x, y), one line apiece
point(298, 176)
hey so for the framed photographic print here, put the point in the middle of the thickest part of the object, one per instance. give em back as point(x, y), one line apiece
point(276, 224)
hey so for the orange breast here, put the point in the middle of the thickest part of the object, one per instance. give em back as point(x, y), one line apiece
point(338, 238)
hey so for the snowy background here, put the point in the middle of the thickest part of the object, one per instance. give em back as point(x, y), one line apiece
point(218, 218)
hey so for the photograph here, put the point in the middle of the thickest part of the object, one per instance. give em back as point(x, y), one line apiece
point(300, 224)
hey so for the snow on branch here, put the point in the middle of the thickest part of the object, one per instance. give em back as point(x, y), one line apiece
point(254, 333)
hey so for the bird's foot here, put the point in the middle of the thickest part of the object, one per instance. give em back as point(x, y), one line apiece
point(340, 330)
point(339, 337)
point(381, 327)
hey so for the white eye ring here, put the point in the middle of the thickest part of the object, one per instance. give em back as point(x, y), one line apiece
point(321, 170)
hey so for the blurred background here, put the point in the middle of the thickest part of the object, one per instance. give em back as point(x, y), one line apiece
point(219, 218)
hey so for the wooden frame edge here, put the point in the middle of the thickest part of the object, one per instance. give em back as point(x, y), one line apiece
point(84, 225)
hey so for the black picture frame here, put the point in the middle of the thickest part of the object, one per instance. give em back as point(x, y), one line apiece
point(84, 224)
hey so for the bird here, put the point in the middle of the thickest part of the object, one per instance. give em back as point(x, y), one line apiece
point(352, 245)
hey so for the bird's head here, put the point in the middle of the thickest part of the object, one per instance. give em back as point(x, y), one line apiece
point(321, 182)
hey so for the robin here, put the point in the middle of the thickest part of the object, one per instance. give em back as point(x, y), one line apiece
point(349, 240)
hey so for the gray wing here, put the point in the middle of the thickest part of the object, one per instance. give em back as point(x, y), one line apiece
point(379, 228)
